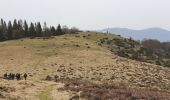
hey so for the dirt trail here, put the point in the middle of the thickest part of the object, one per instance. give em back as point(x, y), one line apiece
point(31, 90)
point(50, 92)
point(46, 93)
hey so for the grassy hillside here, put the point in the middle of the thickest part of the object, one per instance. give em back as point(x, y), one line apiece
point(74, 57)
point(150, 51)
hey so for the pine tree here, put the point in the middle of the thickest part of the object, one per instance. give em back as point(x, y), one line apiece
point(3, 25)
point(32, 31)
point(2, 21)
point(15, 25)
point(46, 30)
point(59, 30)
point(1, 33)
point(9, 30)
point(20, 29)
point(3, 29)
point(26, 29)
point(52, 30)
point(38, 29)
point(17, 29)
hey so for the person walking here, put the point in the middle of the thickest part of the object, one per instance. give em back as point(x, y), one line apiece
point(25, 76)
point(12, 76)
point(5, 76)
point(19, 76)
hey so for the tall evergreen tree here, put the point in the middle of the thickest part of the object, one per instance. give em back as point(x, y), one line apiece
point(59, 30)
point(26, 29)
point(3, 30)
point(20, 29)
point(15, 25)
point(9, 30)
point(14, 29)
point(52, 30)
point(17, 29)
point(1, 33)
point(38, 29)
point(2, 21)
point(46, 31)
point(3, 25)
point(32, 31)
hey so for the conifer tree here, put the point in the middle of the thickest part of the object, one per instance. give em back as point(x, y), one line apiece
point(59, 30)
point(26, 29)
point(9, 30)
point(46, 31)
point(14, 30)
point(3, 30)
point(38, 29)
point(20, 29)
point(52, 30)
point(32, 31)
point(17, 29)
point(1, 33)
point(3, 25)
point(15, 25)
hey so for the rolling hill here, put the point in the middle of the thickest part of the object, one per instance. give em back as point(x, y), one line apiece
point(78, 66)
point(150, 33)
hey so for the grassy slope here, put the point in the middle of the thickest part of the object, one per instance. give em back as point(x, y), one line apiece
point(78, 56)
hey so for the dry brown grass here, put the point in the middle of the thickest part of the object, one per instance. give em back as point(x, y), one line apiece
point(59, 57)
point(92, 91)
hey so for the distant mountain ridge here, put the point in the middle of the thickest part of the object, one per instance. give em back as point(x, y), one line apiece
point(150, 33)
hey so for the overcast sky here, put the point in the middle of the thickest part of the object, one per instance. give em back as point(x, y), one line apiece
point(90, 14)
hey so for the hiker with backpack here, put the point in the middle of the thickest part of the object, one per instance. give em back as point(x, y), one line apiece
point(18, 76)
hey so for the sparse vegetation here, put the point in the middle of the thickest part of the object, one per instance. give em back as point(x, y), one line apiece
point(96, 69)
point(150, 51)
point(93, 91)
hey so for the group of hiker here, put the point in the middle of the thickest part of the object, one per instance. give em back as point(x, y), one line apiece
point(17, 76)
